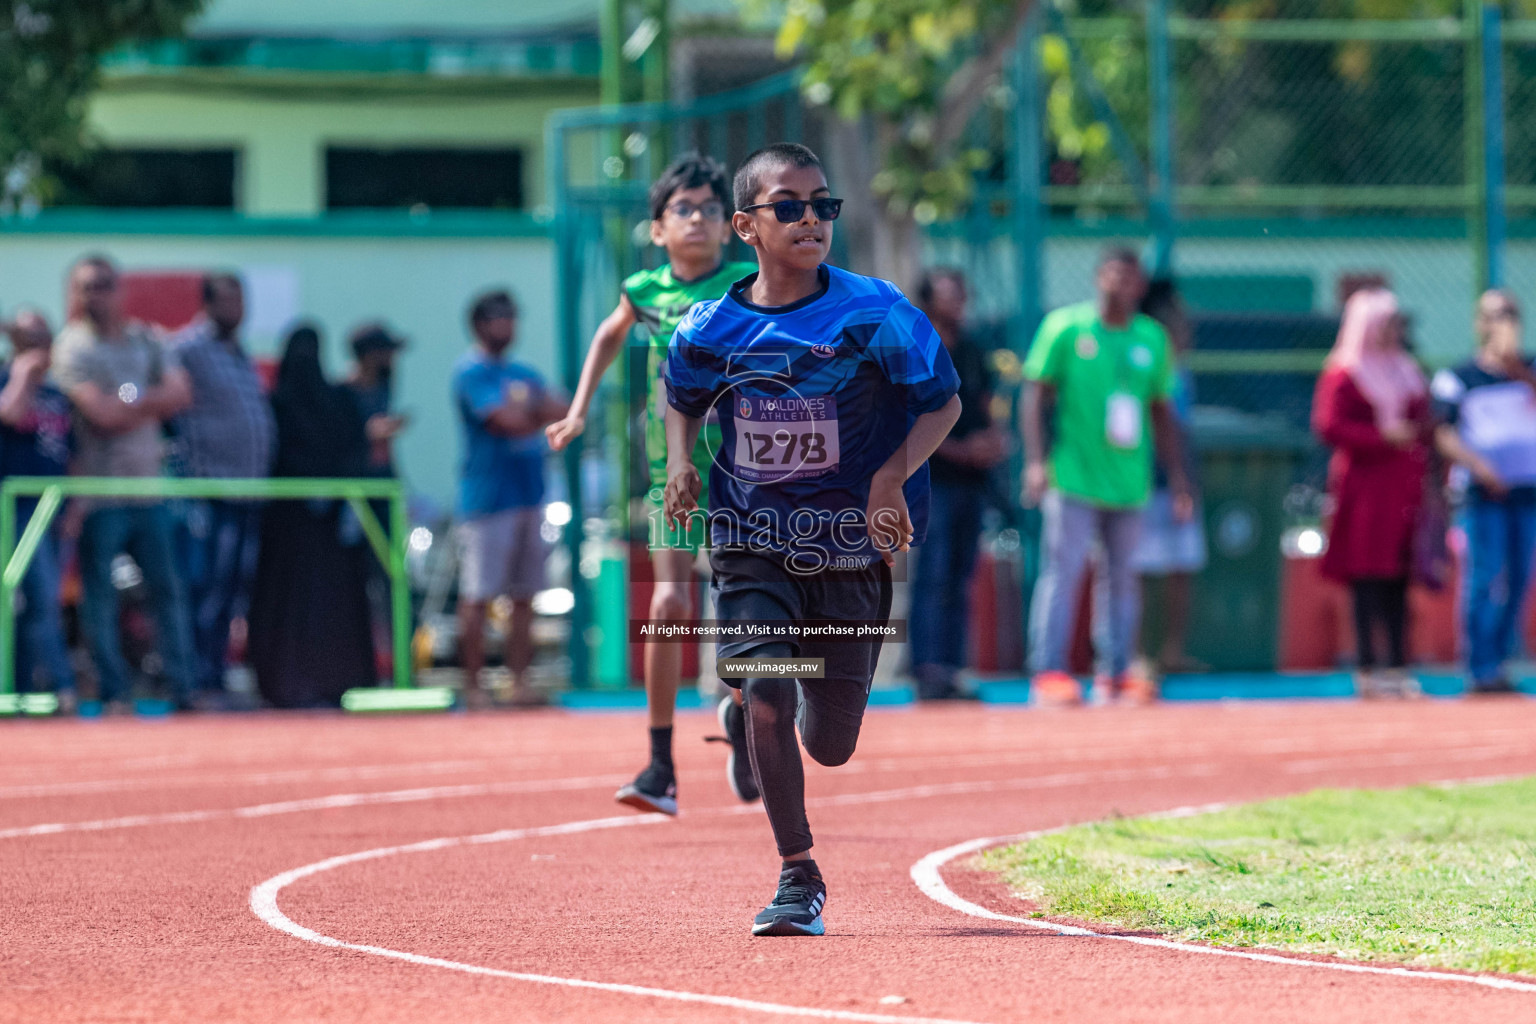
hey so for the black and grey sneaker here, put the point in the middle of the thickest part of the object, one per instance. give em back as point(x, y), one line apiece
point(654, 789)
point(738, 766)
point(1498, 686)
point(796, 907)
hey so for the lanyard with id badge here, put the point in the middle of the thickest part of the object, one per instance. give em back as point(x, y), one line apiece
point(787, 437)
point(1124, 417)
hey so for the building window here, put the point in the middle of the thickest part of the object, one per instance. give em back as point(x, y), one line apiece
point(152, 178)
point(448, 178)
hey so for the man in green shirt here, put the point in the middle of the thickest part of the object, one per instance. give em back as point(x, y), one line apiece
point(1108, 372)
point(689, 206)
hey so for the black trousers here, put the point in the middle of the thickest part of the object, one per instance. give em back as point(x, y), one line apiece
point(1381, 615)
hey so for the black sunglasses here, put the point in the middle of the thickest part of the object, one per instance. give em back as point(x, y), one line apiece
point(788, 211)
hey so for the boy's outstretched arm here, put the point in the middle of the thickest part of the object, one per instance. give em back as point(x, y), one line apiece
point(607, 343)
point(887, 518)
point(683, 483)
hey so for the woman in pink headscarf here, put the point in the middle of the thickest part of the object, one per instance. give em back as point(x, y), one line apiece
point(1372, 408)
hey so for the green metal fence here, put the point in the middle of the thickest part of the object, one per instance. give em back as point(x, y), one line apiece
point(1267, 152)
point(16, 554)
point(1316, 109)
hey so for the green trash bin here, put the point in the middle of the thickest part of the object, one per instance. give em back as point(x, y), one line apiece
point(1248, 463)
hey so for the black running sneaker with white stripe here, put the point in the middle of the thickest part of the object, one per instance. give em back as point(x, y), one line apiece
point(654, 789)
point(796, 907)
point(738, 766)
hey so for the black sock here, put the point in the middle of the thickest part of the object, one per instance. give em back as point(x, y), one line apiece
point(661, 747)
point(808, 864)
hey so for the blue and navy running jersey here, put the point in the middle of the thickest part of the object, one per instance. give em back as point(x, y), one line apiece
point(813, 398)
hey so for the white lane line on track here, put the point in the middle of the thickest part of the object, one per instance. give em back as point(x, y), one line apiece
point(248, 779)
point(401, 796)
point(1400, 758)
point(264, 905)
point(340, 800)
point(927, 873)
point(320, 803)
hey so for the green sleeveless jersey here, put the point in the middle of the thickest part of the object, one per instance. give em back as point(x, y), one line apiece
point(660, 302)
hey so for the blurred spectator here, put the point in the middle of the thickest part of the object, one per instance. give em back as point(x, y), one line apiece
point(1488, 427)
point(959, 473)
point(227, 432)
point(123, 386)
point(1109, 373)
point(374, 348)
point(1171, 548)
point(35, 441)
point(309, 631)
point(1372, 408)
point(503, 406)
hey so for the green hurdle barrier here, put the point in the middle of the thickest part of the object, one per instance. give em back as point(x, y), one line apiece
point(16, 555)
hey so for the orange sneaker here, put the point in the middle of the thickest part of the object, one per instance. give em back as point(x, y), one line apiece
point(1055, 690)
point(1138, 688)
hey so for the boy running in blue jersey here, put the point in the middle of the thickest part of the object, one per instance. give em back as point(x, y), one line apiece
point(832, 392)
point(688, 219)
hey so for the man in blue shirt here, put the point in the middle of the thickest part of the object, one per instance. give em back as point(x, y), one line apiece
point(35, 441)
point(832, 392)
point(503, 407)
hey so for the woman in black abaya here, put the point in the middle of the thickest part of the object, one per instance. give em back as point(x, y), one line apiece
point(309, 625)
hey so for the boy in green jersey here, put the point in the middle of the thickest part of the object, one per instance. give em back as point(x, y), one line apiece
point(689, 206)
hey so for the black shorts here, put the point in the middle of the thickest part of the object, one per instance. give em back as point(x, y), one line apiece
point(751, 585)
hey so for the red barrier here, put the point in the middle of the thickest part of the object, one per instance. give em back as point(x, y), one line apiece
point(983, 653)
point(642, 579)
point(1317, 626)
point(168, 299)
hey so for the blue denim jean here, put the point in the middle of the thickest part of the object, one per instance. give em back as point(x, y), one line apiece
point(1072, 531)
point(1501, 540)
point(145, 533)
point(39, 619)
point(941, 577)
point(219, 544)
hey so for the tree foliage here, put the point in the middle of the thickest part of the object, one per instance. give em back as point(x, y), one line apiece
point(50, 55)
point(1260, 112)
point(918, 70)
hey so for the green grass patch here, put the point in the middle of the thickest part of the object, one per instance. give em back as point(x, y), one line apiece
point(1442, 876)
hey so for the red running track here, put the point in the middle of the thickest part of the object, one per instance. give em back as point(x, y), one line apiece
point(201, 869)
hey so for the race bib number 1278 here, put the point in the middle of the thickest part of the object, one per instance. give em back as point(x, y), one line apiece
point(785, 438)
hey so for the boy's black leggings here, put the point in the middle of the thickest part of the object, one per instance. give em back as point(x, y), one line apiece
point(756, 586)
point(828, 716)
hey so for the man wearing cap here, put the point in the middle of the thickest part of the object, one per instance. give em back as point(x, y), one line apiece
point(373, 348)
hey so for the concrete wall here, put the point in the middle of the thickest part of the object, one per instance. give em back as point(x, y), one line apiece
point(282, 138)
point(413, 17)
